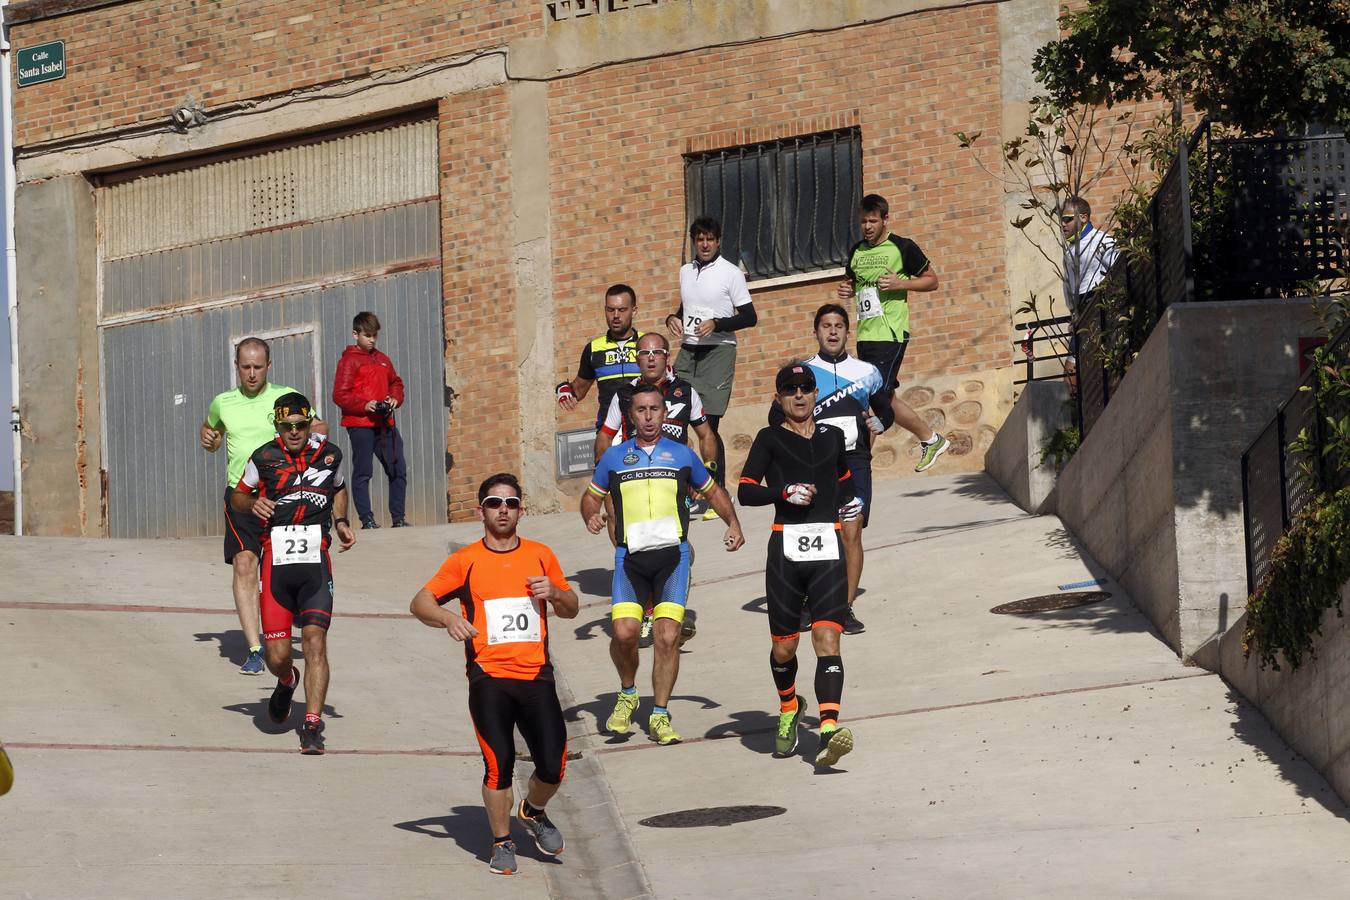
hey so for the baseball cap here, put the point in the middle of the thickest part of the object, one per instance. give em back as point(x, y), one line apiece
point(794, 374)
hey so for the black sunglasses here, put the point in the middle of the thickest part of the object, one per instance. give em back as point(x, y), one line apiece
point(499, 502)
point(283, 427)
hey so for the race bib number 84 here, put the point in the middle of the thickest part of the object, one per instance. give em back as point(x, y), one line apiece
point(810, 542)
point(512, 620)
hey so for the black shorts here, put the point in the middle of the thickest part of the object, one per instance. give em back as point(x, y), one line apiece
point(243, 531)
point(860, 475)
point(498, 706)
point(301, 591)
point(822, 584)
point(886, 356)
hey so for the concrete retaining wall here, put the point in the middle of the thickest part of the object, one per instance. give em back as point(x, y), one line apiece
point(1155, 492)
point(1310, 707)
point(1014, 458)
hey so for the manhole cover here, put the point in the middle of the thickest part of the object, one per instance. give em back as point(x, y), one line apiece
point(1049, 603)
point(712, 815)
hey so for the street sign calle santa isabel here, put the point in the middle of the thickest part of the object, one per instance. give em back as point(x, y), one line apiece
point(45, 62)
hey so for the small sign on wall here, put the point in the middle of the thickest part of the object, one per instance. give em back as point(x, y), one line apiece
point(575, 452)
point(45, 62)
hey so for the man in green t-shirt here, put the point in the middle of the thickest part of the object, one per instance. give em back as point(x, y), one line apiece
point(243, 417)
point(882, 269)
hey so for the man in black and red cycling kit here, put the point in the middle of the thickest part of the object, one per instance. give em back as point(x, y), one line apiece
point(294, 484)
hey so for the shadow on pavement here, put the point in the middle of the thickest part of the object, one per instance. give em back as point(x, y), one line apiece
point(234, 647)
point(468, 827)
point(597, 711)
point(1252, 728)
point(595, 582)
point(261, 721)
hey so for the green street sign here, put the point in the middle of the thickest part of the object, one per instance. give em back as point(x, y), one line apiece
point(45, 62)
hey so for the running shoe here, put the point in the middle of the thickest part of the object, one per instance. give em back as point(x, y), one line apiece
point(645, 638)
point(709, 514)
point(688, 628)
point(253, 665)
point(547, 837)
point(833, 745)
point(786, 740)
point(658, 727)
point(279, 707)
point(503, 860)
point(311, 738)
point(622, 717)
point(931, 451)
point(852, 624)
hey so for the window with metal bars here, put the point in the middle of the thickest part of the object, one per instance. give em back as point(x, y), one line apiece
point(786, 206)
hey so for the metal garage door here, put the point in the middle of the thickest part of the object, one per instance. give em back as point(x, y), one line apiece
point(286, 244)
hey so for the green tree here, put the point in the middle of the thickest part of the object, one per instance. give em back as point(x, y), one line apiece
point(1260, 65)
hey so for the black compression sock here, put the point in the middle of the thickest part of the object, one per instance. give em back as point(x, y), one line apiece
point(829, 689)
point(785, 679)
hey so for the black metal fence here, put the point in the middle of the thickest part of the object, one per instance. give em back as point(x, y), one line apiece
point(1232, 219)
point(1278, 480)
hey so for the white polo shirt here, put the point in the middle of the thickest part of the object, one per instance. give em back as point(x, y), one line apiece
point(710, 291)
point(1087, 259)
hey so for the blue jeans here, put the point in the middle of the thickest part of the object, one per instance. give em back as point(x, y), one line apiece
point(386, 445)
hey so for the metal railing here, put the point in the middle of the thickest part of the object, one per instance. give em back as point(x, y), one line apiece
point(1278, 480)
point(1267, 217)
point(1044, 335)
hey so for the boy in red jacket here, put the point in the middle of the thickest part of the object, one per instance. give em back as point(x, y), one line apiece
point(368, 390)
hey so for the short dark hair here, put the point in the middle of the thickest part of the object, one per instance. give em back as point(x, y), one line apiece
point(615, 290)
point(253, 342)
point(492, 481)
point(643, 387)
point(658, 335)
point(366, 323)
point(875, 203)
point(826, 310)
point(705, 225)
point(1079, 206)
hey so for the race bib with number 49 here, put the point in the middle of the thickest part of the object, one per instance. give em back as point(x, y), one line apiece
point(512, 620)
point(869, 303)
point(293, 544)
point(810, 542)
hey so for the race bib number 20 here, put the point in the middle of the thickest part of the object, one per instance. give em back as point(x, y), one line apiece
point(512, 620)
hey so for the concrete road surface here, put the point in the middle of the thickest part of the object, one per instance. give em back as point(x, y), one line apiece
point(1064, 754)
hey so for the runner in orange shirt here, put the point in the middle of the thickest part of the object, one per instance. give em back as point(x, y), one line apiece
point(504, 585)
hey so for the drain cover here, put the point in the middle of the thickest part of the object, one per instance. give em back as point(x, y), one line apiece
point(1049, 603)
point(712, 815)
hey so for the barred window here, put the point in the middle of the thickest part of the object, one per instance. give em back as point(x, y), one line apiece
point(786, 206)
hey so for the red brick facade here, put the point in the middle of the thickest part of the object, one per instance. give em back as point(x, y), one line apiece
point(134, 62)
point(617, 139)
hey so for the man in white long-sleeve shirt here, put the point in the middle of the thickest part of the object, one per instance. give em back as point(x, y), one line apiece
point(1089, 252)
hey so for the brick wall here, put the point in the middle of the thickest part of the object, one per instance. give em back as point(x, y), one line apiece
point(479, 300)
point(617, 137)
point(134, 62)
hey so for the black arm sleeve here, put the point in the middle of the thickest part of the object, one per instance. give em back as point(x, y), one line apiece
point(750, 492)
point(744, 317)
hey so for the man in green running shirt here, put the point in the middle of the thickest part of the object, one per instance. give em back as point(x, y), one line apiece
point(243, 417)
point(882, 269)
